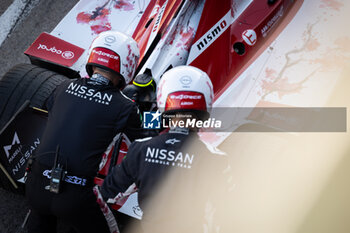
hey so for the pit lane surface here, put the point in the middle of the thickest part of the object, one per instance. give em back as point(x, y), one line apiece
point(21, 21)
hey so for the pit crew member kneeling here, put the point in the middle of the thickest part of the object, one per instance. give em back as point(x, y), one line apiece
point(84, 116)
point(175, 173)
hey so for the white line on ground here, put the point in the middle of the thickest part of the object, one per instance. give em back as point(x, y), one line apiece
point(12, 15)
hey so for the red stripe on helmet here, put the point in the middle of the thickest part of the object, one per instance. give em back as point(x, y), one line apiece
point(185, 100)
point(105, 57)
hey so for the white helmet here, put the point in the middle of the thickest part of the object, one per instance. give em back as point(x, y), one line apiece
point(185, 88)
point(115, 51)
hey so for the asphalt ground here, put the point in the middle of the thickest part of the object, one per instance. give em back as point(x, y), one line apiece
point(37, 16)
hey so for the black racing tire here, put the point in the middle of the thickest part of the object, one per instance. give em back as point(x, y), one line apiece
point(24, 82)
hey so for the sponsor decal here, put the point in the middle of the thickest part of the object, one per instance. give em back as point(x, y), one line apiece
point(137, 211)
point(169, 157)
point(69, 179)
point(54, 49)
point(110, 39)
point(66, 54)
point(272, 22)
point(184, 96)
point(19, 163)
point(15, 141)
point(15, 155)
point(105, 57)
point(172, 141)
point(104, 54)
point(19, 140)
point(186, 80)
point(186, 100)
point(89, 94)
point(210, 36)
point(151, 120)
point(159, 17)
point(154, 11)
point(249, 36)
point(217, 30)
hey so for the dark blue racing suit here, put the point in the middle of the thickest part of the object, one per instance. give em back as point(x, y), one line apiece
point(84, 116)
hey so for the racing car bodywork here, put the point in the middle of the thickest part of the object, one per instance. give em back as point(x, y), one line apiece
point(172, 33)
point(169, 33)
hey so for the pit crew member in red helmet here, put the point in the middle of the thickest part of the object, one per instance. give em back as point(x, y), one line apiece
point(183, 92)
point(84, 116)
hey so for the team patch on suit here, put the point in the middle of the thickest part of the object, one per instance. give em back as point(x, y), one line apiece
point(169, 157)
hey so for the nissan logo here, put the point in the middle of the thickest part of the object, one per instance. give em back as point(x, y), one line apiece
point(185, 80)
point(110, 39)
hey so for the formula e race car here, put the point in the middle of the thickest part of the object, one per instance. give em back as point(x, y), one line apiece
point(247, 47)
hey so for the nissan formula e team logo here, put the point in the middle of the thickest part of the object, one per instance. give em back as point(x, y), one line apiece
point(65, 54)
